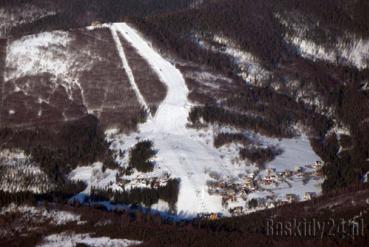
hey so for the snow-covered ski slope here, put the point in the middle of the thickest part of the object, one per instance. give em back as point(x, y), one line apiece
point(184, 153)
point(178, 153)
point(172, 113)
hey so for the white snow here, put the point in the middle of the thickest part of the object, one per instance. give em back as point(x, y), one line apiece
point(93, 176)
point(70, 239)
point(48, 53)
point(161, 206)
point(366, 177)
point(297, 151)
point(34, 54)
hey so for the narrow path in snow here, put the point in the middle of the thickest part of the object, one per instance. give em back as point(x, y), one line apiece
point(177, 151)
point(127, 68)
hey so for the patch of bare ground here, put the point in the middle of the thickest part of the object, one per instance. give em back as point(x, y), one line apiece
point(152, 89)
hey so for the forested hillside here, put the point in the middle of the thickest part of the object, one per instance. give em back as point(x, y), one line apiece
point(39, 15)
point(325, 89)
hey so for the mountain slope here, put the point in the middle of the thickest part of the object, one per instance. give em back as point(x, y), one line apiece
point(313, 64)
point(238, 101)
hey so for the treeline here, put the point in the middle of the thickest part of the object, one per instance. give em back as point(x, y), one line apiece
point(146, 196)
point(213, 114)
point(352, 111)
point(250, 150)
point(222, 139)
point(58, 150)
point(278, 109)
point(60, 195)
point(259, 155)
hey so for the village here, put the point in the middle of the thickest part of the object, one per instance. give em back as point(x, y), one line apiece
point(143, 181)
point(259, 190)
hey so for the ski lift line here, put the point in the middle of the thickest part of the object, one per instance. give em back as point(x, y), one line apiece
point(128, 70)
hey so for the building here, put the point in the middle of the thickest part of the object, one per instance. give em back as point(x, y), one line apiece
point(249, 181)
point(291, 198)
point(213, 216)
point(287, 173)
point(236, 210)
point(317, 165)
point(95, 23)
point(270, 203)
point(309, 195)
point(271, 170)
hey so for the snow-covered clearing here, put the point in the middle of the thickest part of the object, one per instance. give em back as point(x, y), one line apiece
point(38, 53)
point(70, 239)
point(296, 151)
point(93, 176)
point(47, 53)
